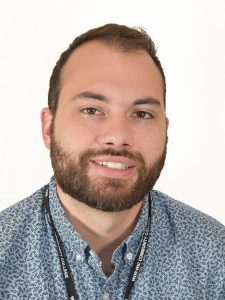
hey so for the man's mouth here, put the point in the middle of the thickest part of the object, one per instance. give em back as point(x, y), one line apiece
point(112, 165)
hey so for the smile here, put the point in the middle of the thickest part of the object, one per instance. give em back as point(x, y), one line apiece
point(112, 165)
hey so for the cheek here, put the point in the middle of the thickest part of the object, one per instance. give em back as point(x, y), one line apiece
point(152, 146)
point(73, 135)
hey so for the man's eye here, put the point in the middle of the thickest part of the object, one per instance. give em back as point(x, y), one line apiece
point(143, 115)
point(91, 111)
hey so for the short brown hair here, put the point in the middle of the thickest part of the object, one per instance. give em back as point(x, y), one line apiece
point(121, 37)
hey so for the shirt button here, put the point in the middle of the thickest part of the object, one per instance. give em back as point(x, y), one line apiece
point(105, 296)
point(129, 256)
point(78, 257)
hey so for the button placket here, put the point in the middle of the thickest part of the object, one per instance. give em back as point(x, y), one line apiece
point(79, 257)
point(129, 256)
point(105, 296)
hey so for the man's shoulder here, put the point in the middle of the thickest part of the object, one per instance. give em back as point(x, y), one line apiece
point(188, 223)
point(22, 213)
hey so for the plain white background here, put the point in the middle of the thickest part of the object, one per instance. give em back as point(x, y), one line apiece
point(190, 37)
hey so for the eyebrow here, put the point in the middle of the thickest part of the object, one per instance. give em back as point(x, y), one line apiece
point(147, 100)
point(90, 95)
point(87, 95)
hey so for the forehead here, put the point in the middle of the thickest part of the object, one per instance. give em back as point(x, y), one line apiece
point(98, 67)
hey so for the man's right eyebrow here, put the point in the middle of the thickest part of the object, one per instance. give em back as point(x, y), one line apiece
point(87, 95)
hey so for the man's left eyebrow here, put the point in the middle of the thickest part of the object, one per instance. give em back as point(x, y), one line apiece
point(147, 100)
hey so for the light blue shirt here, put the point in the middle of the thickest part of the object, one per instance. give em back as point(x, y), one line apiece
point(184, 260)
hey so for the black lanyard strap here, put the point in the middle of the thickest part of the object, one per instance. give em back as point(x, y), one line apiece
point(64, 264)
point(139, 257)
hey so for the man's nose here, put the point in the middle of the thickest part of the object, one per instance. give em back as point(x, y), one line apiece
point(116, 133)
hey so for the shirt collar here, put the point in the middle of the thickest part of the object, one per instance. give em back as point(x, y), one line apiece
point(72, 240)
point(131, 245)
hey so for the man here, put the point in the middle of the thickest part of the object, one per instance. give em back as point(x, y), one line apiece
point(99, 230)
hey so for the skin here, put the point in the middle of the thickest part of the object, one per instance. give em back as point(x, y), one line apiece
point(85, 122)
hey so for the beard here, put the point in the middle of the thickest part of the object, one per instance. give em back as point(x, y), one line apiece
point(103, 193)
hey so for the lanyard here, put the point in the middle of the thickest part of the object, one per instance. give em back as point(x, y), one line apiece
point(64, 264)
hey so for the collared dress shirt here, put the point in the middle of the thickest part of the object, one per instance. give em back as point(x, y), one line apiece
point(184, 259)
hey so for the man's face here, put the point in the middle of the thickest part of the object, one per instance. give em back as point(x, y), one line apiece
point(108, 137)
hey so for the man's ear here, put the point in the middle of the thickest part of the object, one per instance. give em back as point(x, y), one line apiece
point(167, 123)
point(46, 121)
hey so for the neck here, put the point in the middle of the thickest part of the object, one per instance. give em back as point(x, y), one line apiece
point(103, 231)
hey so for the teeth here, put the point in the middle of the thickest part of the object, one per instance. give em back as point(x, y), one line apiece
point(112, 165)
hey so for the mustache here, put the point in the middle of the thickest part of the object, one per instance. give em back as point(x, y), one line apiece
point(91, 153)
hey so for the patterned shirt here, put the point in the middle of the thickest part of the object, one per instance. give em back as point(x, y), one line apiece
point(184, 259)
